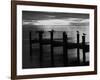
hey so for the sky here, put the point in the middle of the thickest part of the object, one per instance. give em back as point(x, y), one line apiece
point(52, 18)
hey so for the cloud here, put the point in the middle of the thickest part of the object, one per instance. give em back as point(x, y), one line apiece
point(67, 21)
point(83, 22)
point(52, 22)
point(51, 16)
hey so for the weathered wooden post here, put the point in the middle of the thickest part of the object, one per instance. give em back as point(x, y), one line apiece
point(78, 53)
point(65, 49)
point(52, 50)
point(41, 47)
point(83, 44)
point(30, 41)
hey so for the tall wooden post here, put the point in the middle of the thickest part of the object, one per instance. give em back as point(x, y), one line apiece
point(30, 41)
point(52, 50)
point(78, 53)
point(83, 44)
point(41, 48)
point(65, 49)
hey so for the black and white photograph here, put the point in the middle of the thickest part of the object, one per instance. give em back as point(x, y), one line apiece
point(55, 39)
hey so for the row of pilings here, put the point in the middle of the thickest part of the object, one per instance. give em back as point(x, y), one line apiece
point(64, 44)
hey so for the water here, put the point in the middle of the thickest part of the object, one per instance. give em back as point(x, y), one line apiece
point(72, 53)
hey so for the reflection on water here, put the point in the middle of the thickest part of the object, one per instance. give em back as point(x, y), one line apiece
point(58, 51)
point(72, 53)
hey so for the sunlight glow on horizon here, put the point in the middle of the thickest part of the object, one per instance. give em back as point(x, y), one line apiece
point(67, 21)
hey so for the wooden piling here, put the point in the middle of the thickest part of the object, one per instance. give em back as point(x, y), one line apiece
point(41, 48)
point(52, 49)
point(78, 53)
point(30, 41)
point(83, 44)
point(65, 49)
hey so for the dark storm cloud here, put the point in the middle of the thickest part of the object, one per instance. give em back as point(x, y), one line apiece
point(33, 15)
